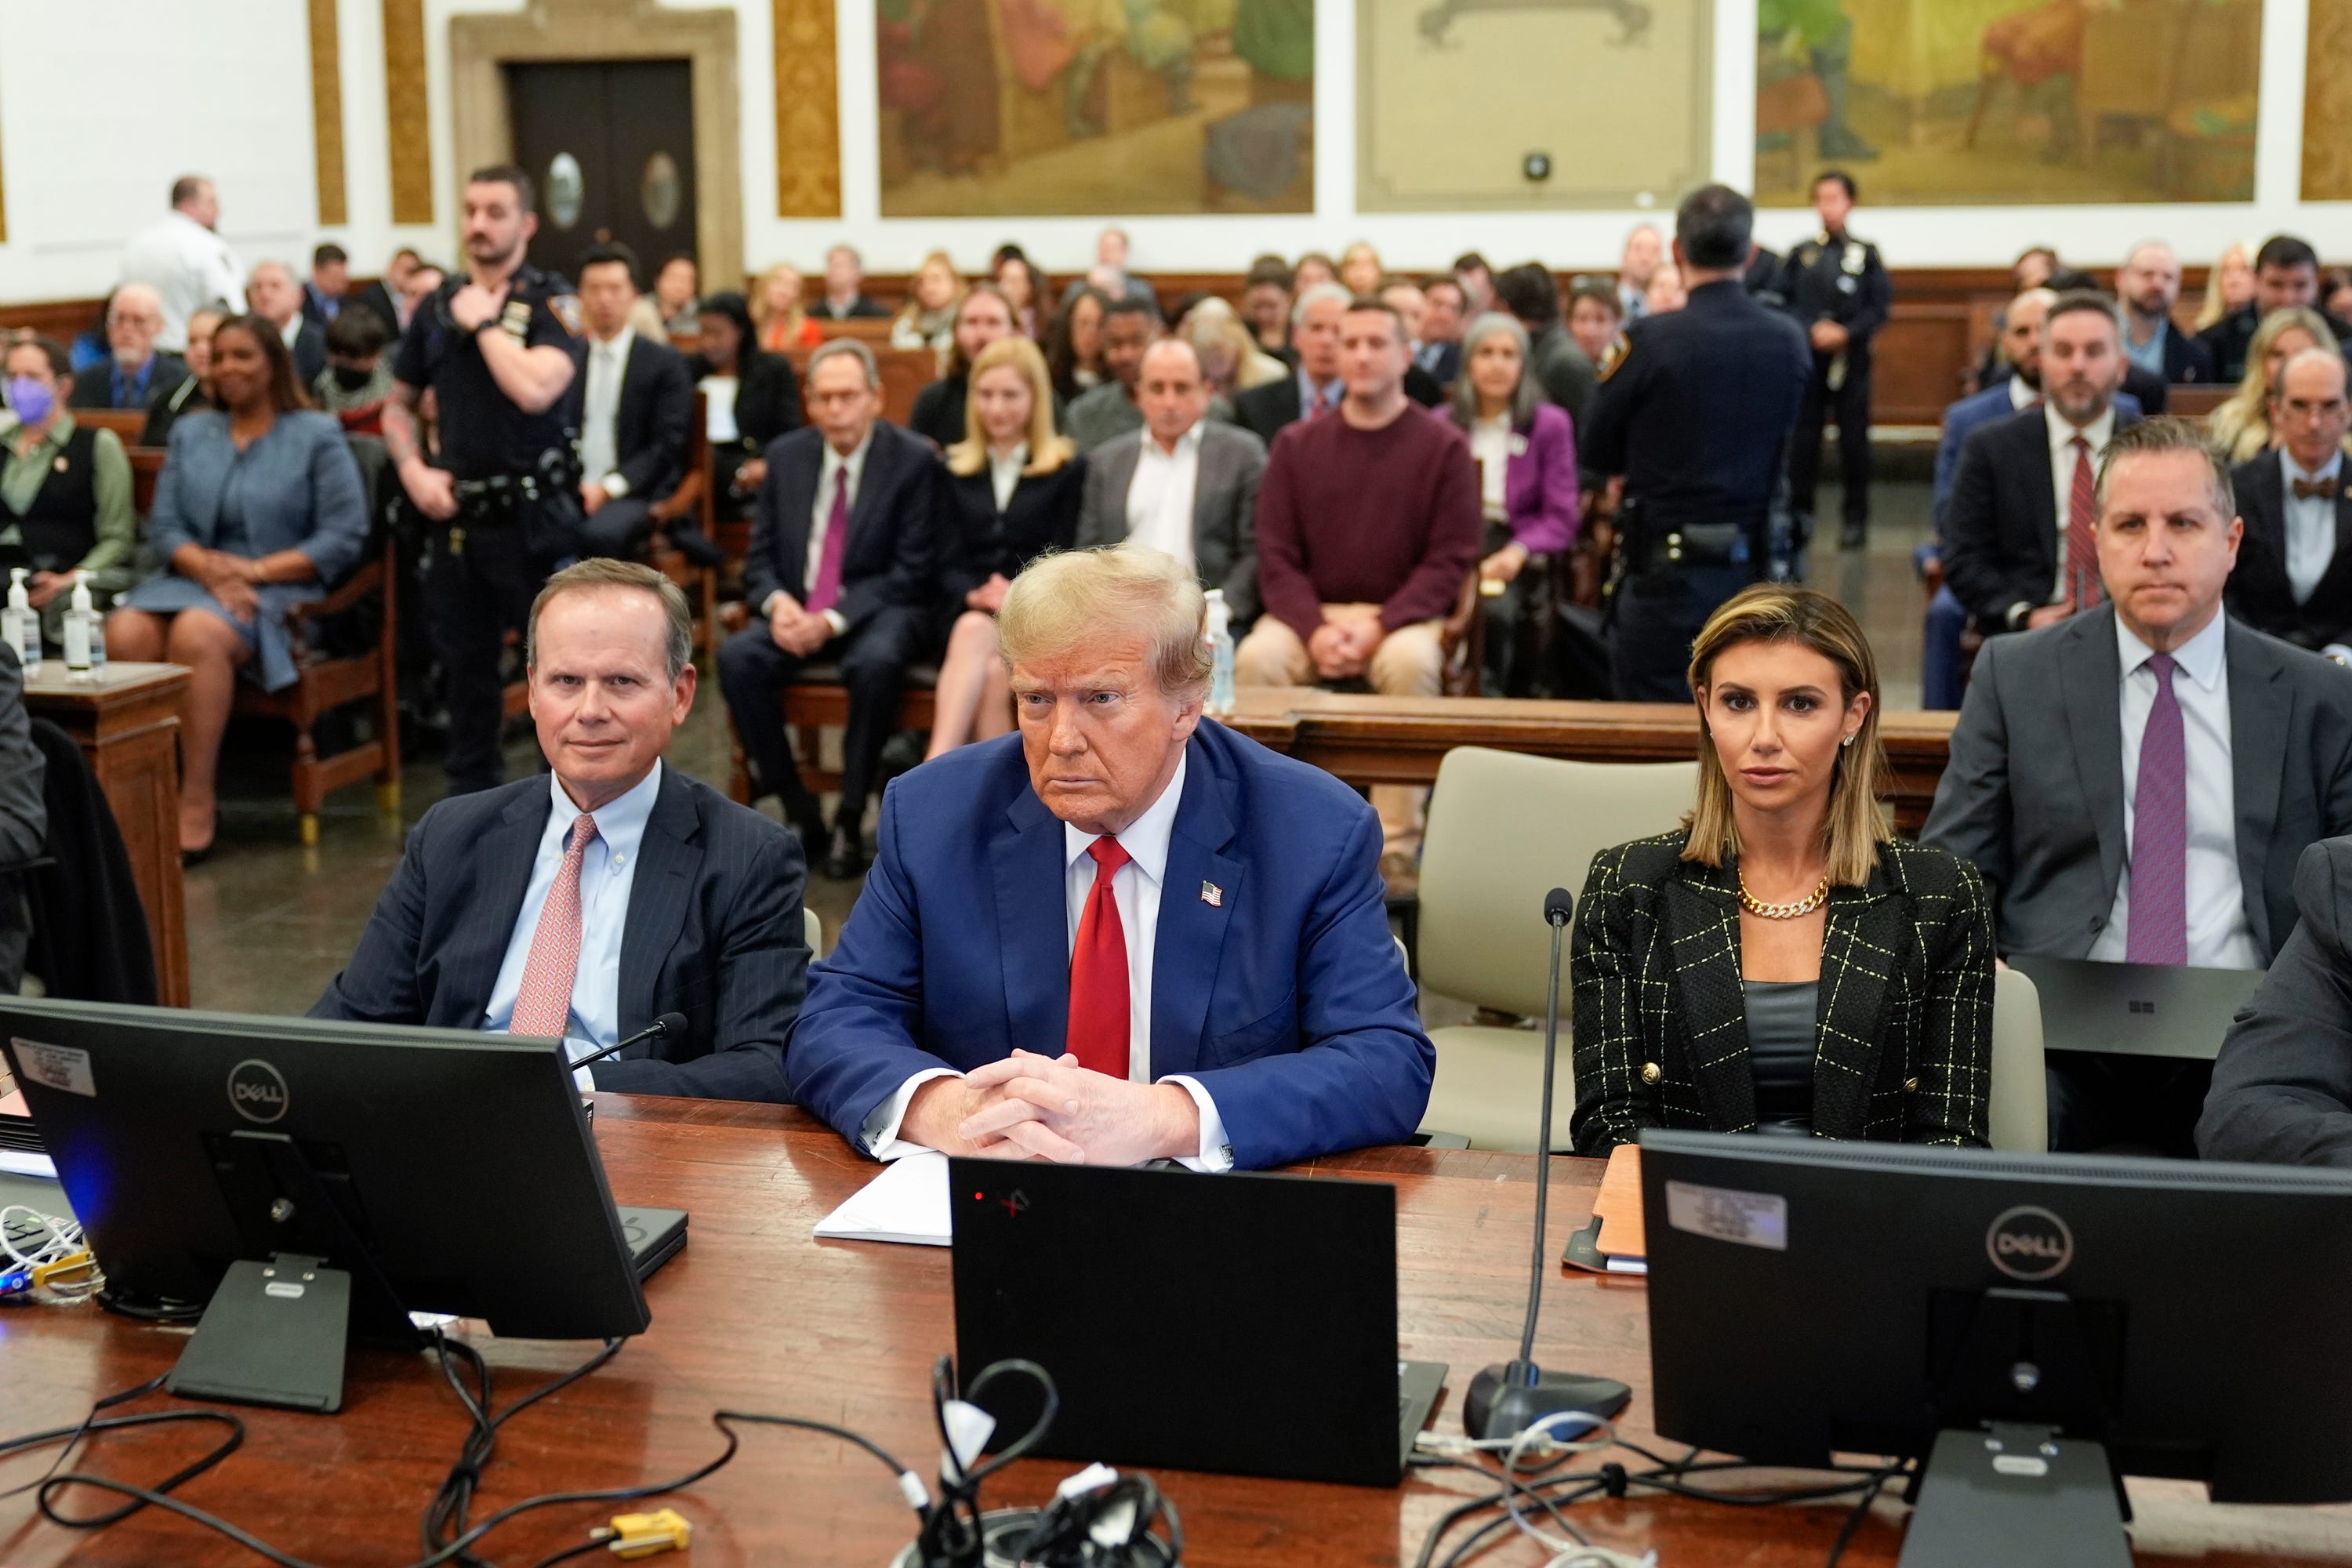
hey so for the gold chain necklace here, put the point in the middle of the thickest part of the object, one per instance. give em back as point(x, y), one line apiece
point(1789, 911)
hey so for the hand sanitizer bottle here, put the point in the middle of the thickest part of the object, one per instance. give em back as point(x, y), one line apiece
point(22, 630)
point(81, 628)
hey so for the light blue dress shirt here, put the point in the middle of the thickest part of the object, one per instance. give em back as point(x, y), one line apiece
point(2148, 355)
point(607, 870)
point(1308, 392)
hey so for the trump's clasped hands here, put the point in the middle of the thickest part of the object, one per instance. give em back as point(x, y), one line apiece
point(1030, 1106)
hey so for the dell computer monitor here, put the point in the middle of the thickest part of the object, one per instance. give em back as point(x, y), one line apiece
point(460, 1164)
point(1810, 1298)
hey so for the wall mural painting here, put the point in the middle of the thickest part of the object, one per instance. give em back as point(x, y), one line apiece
point(1020, 107)
point(1956, 102)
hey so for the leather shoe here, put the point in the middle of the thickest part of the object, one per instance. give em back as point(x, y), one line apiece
point(845, 854)
point(697, 546)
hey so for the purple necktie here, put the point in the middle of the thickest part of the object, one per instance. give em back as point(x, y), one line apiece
point(2160, 850)
point(827, 586)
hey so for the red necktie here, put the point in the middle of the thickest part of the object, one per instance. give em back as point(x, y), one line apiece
point(543, 1000)
point(1099, 1006)
point(2082, 585)
point(826, 589)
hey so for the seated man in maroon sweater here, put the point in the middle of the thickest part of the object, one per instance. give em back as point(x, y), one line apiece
point(1368, 525)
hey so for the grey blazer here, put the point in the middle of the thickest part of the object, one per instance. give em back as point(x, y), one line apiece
point(2033, 793)
point(1224, 507)
point(2282, 1088)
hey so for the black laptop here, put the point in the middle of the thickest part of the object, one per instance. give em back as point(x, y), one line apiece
point(2136, 1009)
point(1241, 1324)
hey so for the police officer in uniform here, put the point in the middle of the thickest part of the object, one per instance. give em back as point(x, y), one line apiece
point(1837, 289)
point(1695, 413)
point(498, 347)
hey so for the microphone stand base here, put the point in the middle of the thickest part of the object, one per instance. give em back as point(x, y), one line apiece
point(1507, 1398)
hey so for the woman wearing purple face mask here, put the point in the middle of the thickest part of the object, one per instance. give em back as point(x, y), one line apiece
point(65, 488)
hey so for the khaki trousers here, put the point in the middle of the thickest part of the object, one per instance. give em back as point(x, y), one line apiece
point(1410, 662)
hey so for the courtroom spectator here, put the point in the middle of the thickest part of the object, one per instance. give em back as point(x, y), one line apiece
point(358, 377)
point(1128, 327)
point(2242, 426)
point(1525, 453)
point(1230, 357)
point(259, 508)
point(2335, 293)
point(330, 282)
point(842, 569)
point(1106, 816)
point(1185, 485)
point(982, 316)
point(749, 398)
point(138, 374)
point(585, 904)
point(183, 262)
point(387, 296)
point(2229, 288)
point(2286, 278)
point(65, 490)
point(1782, 963)
point(1666, 291)
point(424, 280)
point(23, 813)
point(2149, 284)
point(1108, 276)
point(633, 404)
point(677, 296)
point(1367, 528)
point(927, 319)
point(1477, 280)
point(1313, 271)
point(1404, 296)
point(1014, 488)
point(777, 306)
point(1562, 372)
point(195, 391)
point(1316, 387)
point(2145, 387)
point(272, 294)
point(2291, 580)
point(2138, 783)
point(845, 288)
point(1024, 287)
point(2020, 537)
point(1644, 253)
point(90, 346)
point(2281, 1089)
point(1446, 309)
point(2033, 268)
point(1073, 345)
point(1595, 316)
point(1266, 304)
point(1360, 268)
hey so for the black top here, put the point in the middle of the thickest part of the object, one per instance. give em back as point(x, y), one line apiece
point(1840, 280)
point(61, 527)
point(2228, 339)
point(2259, 591)
point(1781, 1051)
point(483, 432)
point(978, 540)
point(938, 411)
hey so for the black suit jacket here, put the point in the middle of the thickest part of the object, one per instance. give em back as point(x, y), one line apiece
point(2259, 592)
point(2282, 1088)
point(2000, 522)
point(377, 299)
point(2185, 359)
point(1263, 411)
point(2228, 339)
point(650, 425)
point(94, 388)
point(891, 555)
point(979, 540)
point(309, 351)
point(2148, 388)
point(713, 931)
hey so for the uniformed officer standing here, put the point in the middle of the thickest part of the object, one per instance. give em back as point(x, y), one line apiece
point(1695, 415)
point(1838, 289)
point(498, 347)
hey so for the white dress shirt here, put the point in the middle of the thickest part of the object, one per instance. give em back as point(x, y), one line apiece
point(188, 265)
point(828, 478)
point(2021, 396)
point(291, 332)
point(719, 409)
point(2310, 524)
point(608, 868)
point(1004, 472)
point(1490, 445)
point(2098, 432)
point(1161, 495)
point(600, 412)
point(1136, 890)
point(2219, 934)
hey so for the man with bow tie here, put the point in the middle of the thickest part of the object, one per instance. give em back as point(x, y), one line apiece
point(2295, 571)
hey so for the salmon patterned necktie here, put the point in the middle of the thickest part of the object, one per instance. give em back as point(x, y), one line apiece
point(543, 1002)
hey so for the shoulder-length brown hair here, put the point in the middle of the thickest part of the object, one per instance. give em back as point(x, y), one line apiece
point(286, 392)
point(1047, 451)
point(1853, 827)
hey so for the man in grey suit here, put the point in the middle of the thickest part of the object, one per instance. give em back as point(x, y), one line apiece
point(2283, 1088)
point(2137, 781)
point(1184, 484)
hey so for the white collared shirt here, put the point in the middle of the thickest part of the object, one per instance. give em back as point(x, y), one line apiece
point(290, 331)
point(1004, 472)
point(2021, 396)
point(2220, 937)
point(1161, 496)
point(2097, 433)
point(608, 868)
point(1490, 445)
point(2310, 524)
point(719, 409)
point(600, 412)
point(1136, 888)
point(188, 265)
point(830, 475)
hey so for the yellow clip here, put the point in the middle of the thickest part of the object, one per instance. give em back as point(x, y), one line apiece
point(74, 1263)
point(645, 1535)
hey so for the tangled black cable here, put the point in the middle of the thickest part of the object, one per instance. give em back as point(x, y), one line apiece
point(951, 1530)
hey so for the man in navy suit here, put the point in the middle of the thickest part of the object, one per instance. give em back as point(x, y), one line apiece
point(840, 570)
point(584, 905)
point(1121, 934)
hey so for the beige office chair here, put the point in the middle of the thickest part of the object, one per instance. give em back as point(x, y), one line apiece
point(1504, 830)
point(813, 930)
point(2019, 1120)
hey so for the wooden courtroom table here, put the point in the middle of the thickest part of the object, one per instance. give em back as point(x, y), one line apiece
point(126, 719)
point(756, 1315)
point(1369, 739)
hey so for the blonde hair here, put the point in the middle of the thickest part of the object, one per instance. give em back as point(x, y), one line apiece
point(2211, 312)
point(1075, 599)
point(945, 263)
point(1047, 451)
point(2242, 426)
point(763, 313)
point(1852, 828)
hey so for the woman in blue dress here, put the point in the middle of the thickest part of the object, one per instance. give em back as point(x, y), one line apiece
point(259, 508)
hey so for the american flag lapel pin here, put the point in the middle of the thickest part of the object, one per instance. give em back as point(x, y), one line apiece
point(1213, 895)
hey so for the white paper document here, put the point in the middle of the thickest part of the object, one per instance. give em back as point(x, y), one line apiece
point(908, 1201)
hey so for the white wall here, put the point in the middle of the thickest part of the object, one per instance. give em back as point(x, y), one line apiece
point(223, 87)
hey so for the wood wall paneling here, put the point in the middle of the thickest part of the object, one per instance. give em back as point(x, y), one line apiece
point(808, 117)
point(2328, 104)
point(407, 111)
point(327, 111)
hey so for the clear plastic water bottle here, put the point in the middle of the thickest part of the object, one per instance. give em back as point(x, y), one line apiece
point(1220, 637)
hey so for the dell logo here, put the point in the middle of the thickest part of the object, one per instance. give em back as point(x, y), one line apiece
point(2029, 1243)
point(256, 1090)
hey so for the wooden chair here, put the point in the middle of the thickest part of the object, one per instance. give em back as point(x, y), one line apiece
point(146, 466)
point(1463, 641)
point(692, 498)
point(128, 423)
point(816, 703)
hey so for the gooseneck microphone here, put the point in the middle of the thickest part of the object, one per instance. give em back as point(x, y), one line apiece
point(1504, 1400)
point(667, 1024)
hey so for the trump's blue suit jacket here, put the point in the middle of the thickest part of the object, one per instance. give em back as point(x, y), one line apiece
point(1275, 982)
